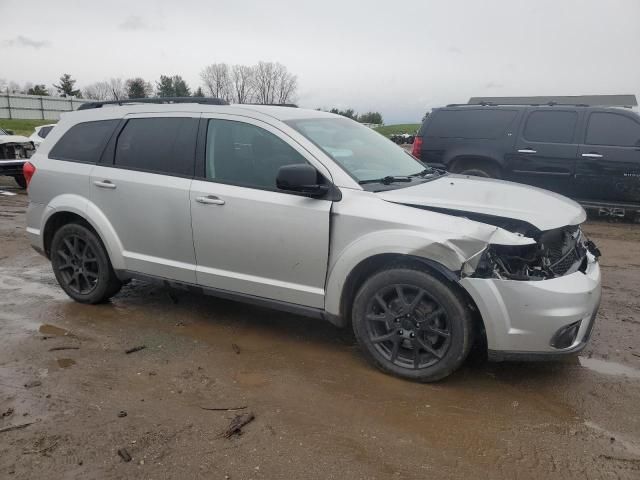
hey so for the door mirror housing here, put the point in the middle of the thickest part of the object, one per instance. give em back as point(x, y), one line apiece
point(301, 179)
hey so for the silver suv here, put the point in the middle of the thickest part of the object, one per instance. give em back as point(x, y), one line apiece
point(313, 213)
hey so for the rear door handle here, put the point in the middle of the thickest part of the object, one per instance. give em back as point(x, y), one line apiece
point(527, 150)
point(592, 155)
point(210, 200)
point(104, 184)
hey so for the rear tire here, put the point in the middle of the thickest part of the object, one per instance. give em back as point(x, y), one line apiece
point(412, 324)
point(20, 180)
point(81, 265)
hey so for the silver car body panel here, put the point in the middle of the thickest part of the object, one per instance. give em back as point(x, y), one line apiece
point(299, 250)
point(543, 209)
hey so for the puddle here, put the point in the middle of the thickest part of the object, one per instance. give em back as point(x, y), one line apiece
point(47, 329)
point(608, 368)
point(66, 362)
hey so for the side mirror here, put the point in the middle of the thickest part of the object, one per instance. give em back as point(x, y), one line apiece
point(302, 179)
point(10, 132)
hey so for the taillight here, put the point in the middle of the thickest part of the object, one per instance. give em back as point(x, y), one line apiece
point(417, 147)
point(28, 170)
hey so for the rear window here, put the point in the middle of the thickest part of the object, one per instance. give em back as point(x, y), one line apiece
point(550, 127)
point(162, 145)
point(44, 131)
point(84, 142)
point(613, 129)
point(470, 123)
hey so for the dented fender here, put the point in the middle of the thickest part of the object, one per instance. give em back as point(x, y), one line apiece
point(361, 228)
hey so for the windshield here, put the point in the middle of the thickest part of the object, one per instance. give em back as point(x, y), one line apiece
point(363, 153)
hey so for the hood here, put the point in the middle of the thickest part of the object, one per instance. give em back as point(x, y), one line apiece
point(13, 139)
point(489, 197)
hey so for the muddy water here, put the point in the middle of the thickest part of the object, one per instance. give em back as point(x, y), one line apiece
point(321, 410)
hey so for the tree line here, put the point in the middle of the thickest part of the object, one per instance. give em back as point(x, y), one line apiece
point(368, 117)
point(262, 83)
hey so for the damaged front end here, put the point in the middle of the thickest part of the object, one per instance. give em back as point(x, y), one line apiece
point(555, 253)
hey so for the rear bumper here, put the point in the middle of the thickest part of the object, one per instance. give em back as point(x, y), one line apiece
point(11, 167)
point(521, 318)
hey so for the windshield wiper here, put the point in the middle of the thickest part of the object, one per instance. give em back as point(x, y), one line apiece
point(424, 172)
point(389, 179)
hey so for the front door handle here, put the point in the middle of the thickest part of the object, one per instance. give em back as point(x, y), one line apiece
point(592, 155)
point(210, 200)
point(104, 184)
point(527, 150)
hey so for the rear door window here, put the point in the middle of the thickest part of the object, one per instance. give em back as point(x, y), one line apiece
point(550, 126)
point(159, 145)
point(481, 123)
point(612, 129)
point(84, 142)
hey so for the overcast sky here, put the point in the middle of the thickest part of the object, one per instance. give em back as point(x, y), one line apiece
point(399, 58)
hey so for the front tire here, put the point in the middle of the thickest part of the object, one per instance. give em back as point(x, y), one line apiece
point(412, 324)
point(81, 265)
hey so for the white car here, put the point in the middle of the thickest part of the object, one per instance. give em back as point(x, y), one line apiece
point(41, 133)
point(14, 151)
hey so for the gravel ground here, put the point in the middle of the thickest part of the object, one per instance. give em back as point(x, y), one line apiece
point(320, 410)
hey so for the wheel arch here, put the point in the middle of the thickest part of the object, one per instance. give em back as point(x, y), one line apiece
point(375, 263)
point(66, 210)
point(455, 163)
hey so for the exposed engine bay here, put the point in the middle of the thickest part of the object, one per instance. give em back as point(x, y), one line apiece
point(556, 253)
point(16, 151)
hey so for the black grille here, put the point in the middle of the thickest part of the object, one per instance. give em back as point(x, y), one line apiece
point(563, 248)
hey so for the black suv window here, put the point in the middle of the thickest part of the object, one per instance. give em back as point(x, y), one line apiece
point(162, 145)
point(550, 127)
point(612, 129)
point(243, 154)
point(470, 123)
point(84, 142)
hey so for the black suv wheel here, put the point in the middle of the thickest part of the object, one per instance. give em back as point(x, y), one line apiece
point(81, 265)
point(412, 324)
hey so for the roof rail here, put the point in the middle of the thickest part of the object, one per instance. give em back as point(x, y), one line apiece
point(291, 105)
point(156, 100)
point(627, 101)
point(493, 104)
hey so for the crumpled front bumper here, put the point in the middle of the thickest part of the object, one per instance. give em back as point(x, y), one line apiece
point(521, 317)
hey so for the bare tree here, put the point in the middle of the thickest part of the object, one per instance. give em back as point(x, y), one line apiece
point(118, 88)
point(242, 83)
point(97, 91)
point(286, 85)
point(274, 83)
point(217, 80)
point(264, 82)
point(113, 89)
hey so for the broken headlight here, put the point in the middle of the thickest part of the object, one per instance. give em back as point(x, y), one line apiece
point(556, 253)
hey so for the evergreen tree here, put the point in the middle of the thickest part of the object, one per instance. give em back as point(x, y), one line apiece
point(65, 88)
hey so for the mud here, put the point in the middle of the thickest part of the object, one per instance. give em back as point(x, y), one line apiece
point(321, 411)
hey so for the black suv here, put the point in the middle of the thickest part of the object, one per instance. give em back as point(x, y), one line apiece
point(591, 154)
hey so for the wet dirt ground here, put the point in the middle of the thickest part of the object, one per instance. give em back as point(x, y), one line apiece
point(320, 410)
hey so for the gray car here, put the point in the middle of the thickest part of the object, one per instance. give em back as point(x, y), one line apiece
point(312, 213)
